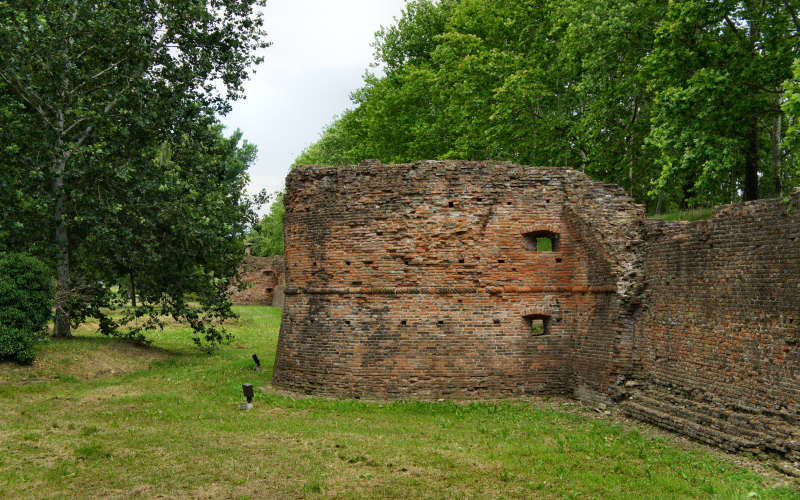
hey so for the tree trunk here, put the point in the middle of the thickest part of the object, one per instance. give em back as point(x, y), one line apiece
point(61, 328)
point(777, 137)
point(751, 163)
point(133, 291)
point(688, 193)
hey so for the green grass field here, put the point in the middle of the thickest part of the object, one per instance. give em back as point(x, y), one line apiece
point(96, 417)
point(687, 215)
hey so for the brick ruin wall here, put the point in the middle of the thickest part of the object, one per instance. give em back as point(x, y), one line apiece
point(415, 281)
point(717, 350)
point(263, 279)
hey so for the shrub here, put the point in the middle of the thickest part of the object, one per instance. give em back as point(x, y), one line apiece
point(26, 305)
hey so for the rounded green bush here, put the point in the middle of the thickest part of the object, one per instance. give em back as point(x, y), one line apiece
point(26, 305)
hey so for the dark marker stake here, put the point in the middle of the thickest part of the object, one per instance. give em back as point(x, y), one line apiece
point(258, 362)
point(247, 389)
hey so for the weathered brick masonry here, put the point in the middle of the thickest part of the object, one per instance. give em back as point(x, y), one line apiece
point(263, 278)
point(417, 280)
point(420, 280)
point(717, 341)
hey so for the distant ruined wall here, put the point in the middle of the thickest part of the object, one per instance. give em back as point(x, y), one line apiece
point(717, 346)
point(416, 280)
point(264, 281)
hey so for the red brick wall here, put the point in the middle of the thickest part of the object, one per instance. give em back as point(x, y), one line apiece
point(261, 277)
point(414, 280)
point(720, 327)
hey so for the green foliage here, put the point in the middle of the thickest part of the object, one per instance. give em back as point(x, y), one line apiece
point(119, 175)
point(26, 302)
point(789, 175)
point(267, 236)
point(679, 102)
point(180, 238)
point(716, 71)
point(338, 143)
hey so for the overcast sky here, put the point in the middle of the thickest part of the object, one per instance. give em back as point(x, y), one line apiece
point(320, 51)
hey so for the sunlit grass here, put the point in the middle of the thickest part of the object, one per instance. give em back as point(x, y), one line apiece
point(687, 215)
point(166, 422)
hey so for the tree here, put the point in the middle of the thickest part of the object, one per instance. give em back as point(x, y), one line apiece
point(102, 82)
point(174, 230)
point(717, 70)
point(342, 142)
point(267, 236)
point(682, 103)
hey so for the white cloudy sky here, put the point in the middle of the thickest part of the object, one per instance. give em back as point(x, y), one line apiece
point(320, 51)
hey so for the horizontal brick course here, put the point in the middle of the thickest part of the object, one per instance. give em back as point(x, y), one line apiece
point(721, 321)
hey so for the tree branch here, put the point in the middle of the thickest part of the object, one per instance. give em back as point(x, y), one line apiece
point(89, 129)
point(28, 98)
point(793, 14)
point(735, 28)
point(98, 74)
point(75, 124)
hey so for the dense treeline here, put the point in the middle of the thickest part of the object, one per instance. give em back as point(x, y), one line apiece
point(684, 103)
point(115, 170)
point(266, 237)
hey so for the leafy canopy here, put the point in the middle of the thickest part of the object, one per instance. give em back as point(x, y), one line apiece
point(121, 176)
point(682, 103)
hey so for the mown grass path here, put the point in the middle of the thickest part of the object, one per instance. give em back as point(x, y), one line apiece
point(99, 418)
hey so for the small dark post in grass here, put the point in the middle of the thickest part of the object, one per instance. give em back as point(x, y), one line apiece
point(258, 363)
point(247, 389)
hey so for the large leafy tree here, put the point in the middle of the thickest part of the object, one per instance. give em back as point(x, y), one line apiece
point(717, 71)
point(103, 89)
point(550, 82)
point(682, 103)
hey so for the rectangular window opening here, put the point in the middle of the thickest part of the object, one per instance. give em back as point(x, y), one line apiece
point(537, 324)
point(541, 241)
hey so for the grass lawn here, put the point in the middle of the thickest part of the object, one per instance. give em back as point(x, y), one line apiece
point(96, 417)
point(692, 214)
